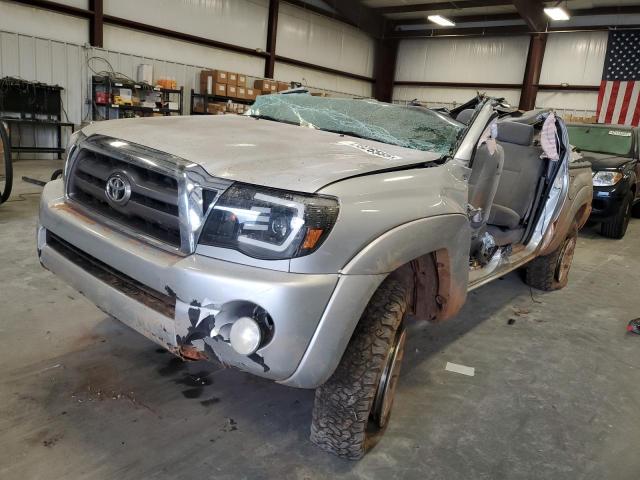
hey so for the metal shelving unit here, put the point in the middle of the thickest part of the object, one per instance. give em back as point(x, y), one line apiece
point(108, 85)
point(213, 98)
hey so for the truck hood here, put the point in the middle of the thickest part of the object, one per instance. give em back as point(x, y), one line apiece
point(604, 161)
point(262, 152)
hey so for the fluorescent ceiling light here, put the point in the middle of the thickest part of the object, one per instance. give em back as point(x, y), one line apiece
point(440, 20)
point(556, 13)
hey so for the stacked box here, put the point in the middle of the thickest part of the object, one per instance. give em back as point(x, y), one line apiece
point(210, 77)
point(220, 89)
point(242, 80)
point(232, 91)
point(283, 86)
point(263, 86)
point(232, 78)
point(241, 92)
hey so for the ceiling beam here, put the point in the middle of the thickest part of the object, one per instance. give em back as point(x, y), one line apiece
point(351, 12)
point(498, 17)
point(364, 17)
point(532, 12)
point(459, 19)
point(433, 7)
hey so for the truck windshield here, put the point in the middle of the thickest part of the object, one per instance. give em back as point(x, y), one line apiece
point(411, 127)
point(611, 140)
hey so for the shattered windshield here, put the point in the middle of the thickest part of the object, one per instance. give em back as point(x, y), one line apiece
point(411, 127)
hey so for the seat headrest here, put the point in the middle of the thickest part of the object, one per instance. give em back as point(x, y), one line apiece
point(465, 115)
point(514, 132)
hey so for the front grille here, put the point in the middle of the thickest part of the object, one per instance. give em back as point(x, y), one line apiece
point(152, 209)
point(153, 299)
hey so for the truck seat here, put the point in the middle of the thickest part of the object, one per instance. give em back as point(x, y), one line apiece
point(520, 174)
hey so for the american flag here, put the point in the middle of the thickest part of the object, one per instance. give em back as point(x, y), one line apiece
point(618, 100)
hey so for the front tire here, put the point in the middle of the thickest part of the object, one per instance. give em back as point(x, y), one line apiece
point(352, 408)
point(635, 210)
point(617, 226)
point(551, 272)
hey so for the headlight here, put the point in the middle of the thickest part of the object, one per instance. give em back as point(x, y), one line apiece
point(606, 179)
point(269, 224)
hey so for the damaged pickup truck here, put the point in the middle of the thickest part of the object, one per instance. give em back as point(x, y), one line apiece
point(297, 241)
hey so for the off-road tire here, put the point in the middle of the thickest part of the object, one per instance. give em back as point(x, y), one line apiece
point(342, 422)
point(617, 226)
point(635, 210)
point(543, 272)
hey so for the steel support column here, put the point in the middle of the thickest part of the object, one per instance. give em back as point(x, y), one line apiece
point(272, 34)
point(537, 45)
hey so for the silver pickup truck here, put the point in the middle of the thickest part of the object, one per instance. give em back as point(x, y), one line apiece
point(295, 242)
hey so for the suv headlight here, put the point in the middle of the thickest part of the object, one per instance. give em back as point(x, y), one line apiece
point(606, 179)
point(268, 223)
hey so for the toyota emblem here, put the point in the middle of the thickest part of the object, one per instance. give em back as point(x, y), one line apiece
point(118, 189)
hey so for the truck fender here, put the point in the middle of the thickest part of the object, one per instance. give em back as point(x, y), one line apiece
point(446, 237)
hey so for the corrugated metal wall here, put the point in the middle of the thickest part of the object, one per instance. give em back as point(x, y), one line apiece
point(576, 59)
point(51, 48)
point(466, 60)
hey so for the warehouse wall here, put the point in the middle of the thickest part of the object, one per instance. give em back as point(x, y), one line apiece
point(42, 23)
point(315, 39)
point(576, 59)
point(466, 60)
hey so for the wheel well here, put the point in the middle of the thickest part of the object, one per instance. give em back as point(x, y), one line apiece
point(582, 215)
point(428, 277)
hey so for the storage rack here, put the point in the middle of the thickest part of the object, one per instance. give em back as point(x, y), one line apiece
point(108, 84)
point(35, 104)
point(213, 98)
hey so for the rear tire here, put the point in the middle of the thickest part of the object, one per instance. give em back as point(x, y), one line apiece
point(352, 408)
point(617, 226)
point(551, 272)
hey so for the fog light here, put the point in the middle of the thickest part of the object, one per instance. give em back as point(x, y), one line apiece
point(245, 336)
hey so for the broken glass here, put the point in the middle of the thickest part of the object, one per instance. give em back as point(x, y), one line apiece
point(412, 127)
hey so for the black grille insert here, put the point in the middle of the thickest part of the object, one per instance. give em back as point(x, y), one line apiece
point(153, 299)
point(152, 209)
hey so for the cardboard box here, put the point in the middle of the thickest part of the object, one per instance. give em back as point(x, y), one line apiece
point(262, 85)
point(242, 80)
point(220, 89)
point(232, 91)
point(206, 82)
point(282, 86)
point(241, 92)
point(273, 87)
point(232, 78)
point(250, 94)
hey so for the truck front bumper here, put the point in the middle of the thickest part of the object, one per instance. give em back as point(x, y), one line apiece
point(167, 297)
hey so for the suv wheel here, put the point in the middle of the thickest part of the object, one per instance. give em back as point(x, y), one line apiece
point(635, 210)
point(617, 226)
point(353, 407)
point(551, 272)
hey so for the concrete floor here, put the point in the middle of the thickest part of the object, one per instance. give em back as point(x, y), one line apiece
point(556, 394)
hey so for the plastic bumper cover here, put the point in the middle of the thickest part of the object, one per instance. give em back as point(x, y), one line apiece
point(199, 287)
